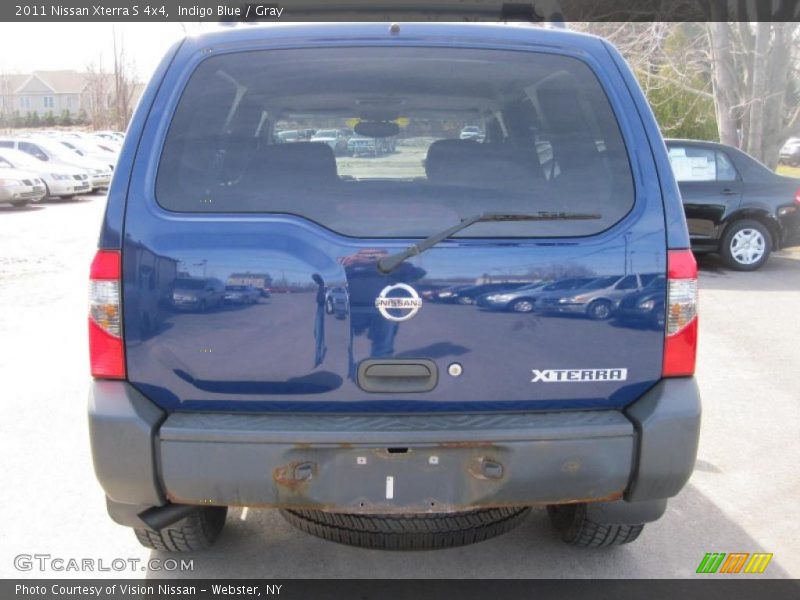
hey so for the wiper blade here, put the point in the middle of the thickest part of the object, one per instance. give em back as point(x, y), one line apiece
point(388, 263)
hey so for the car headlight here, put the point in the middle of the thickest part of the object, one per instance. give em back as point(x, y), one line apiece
point(96, 172)
point(500, 297)
point(647, 305)
point(59, 176)
point(446, 294)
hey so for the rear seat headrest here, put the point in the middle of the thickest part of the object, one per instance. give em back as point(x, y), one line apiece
point(297, 161)
point(475, 164)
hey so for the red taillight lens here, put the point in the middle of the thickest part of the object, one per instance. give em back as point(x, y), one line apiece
point(797, 196)
point(106, 346)
point(680, 347)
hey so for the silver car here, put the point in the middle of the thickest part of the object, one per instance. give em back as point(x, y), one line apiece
point(19, 188)
point(60, 181)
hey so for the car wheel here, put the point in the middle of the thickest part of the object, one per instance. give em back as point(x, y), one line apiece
point(577, 529)
point(464, 300)
point(19, 203)
point(408, 532)
point(523, 305)
point(599, 310)
point(746, 245)
point(198, 531)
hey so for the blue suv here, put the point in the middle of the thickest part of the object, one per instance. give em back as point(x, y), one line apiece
point(397, 423)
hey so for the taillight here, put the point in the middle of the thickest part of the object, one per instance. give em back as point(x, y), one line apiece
point(797, 196)
point(106, 347)
point(680, 347)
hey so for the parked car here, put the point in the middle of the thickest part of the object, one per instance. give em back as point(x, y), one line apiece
point(285, 137)
point(596, 299)
point(19, 188)
point(337, 302)
point(469, 294)
point(55, 154)
point(521, 299)
point(409, 424)
point(358, 145)
point(790, 153)
point(197, 293)
point(644, 307)
point(60, 181)
point(90, 149)
point(735, 205)
point(335, 138)
point(471, 132)
point(241, 294)
point(526, 299)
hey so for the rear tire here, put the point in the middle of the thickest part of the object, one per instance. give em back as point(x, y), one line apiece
point(20, 203)
point(577, 529)
point(408, 532)
point(746, 245)
point(198, 531)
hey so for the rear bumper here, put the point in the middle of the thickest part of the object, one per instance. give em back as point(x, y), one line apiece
point(391, 464)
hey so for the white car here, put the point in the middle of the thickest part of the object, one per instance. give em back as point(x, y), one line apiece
point(51, 151)
point(60, 181)
point(89, 149)
point(19, 188)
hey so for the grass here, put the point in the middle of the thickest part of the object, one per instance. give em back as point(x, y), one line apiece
point(788, 171)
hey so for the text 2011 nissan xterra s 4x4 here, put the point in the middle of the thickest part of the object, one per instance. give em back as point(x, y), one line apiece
point(395, 422)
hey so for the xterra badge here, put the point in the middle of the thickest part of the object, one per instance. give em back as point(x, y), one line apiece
point(575, 375)
point(402, 307)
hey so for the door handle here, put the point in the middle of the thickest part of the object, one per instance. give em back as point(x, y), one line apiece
point(395, 375)
point(729, 192)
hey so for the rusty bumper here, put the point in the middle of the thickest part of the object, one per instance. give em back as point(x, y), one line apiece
point(397, 464)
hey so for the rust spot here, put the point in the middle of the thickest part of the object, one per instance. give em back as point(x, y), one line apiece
point(285, 476)
point(477, 467)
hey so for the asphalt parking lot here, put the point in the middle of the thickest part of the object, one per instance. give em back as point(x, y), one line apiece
point(741, 498)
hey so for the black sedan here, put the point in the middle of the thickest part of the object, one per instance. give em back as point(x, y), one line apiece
point(735, 205)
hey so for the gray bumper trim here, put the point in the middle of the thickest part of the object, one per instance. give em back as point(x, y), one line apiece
point(437, 462)
point(123, 426)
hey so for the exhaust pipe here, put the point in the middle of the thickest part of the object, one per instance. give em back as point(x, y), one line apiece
point(159, 517)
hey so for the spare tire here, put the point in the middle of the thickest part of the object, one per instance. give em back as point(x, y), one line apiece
point(408, 532)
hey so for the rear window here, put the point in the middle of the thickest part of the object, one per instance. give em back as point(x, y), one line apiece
point(240, 141)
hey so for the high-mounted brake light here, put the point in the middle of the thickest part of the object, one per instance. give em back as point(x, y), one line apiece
point(680, 347)
point(106, 346)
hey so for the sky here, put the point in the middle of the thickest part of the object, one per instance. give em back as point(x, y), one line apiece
point(26, 47)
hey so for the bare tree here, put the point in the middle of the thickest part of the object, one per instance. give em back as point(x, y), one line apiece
point(749, 70)
point(124, 82)
point(97, 89)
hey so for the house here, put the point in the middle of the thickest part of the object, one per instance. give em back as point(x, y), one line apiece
point(43, 92)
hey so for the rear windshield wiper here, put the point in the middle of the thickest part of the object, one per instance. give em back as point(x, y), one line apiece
point(388, 263)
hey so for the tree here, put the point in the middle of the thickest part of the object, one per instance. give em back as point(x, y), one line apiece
point(755, 70)
point(124, 84)
point(98, 90)
point(49, 119)
point(65, 120)
point(741, 76)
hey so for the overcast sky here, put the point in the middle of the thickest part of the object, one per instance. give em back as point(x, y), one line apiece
point(26, 47)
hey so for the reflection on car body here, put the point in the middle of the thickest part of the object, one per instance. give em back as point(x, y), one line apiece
point(596, 299)
point(337, 302)
point(197, 293)
point(645, 307)
point(241, 294)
